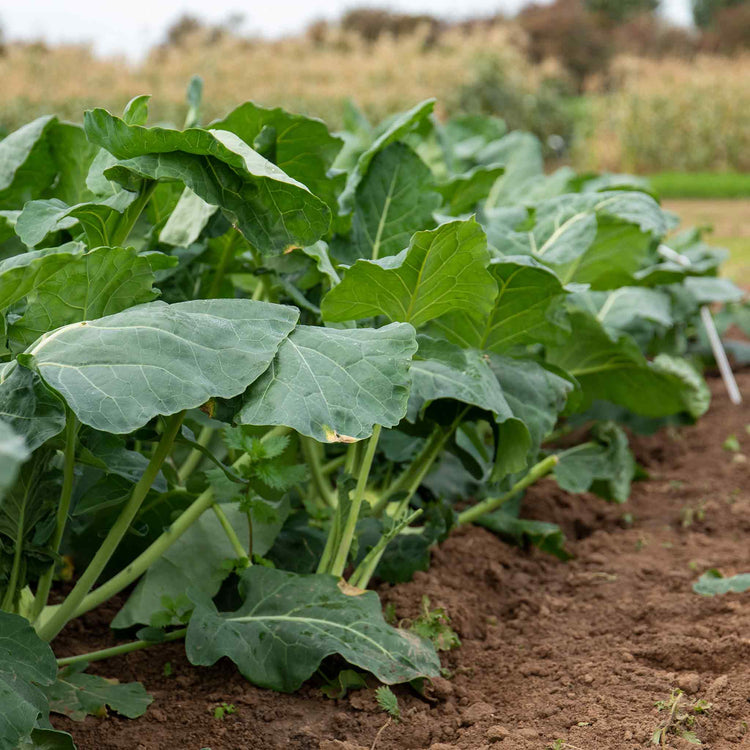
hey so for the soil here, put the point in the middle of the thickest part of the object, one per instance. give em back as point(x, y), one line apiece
point(578, 652)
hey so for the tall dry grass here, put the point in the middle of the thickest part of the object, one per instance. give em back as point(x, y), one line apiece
point(672, 115)
point(312, 75)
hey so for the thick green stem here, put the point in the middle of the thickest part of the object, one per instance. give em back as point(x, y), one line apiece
point(365, 570)
point(125, 648)
point(193, 461)
point(159, 546)
point(320, 481)
point(224, 260)
point(342, 553)
point(49, 629)
point(125, 225)
point(234, 540)
point(332, 465)
point(410, 479)
point(63, 508)
point(536, 472)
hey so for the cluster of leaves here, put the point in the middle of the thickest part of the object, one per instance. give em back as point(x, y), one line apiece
point(350, 334)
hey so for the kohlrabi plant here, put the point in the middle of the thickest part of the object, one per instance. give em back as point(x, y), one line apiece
point(261, 358)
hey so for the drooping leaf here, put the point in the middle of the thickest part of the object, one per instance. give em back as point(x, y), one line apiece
point(335, 384)
point(270, 208)
point(442, 270)
point(396, 130)
point(72, 154)
point(289, 623)
point(42, 217)
point(527, 309)
point(118, 372)
point(301, 146)
point(395, 199)
point(26, 663)
point(28, 406)
point(605, 467)
point(98, 283)
point(617, 371)
point(47, 739)
point(196, 561)
point(188, 219)
point(78, 695)
point(712, 582)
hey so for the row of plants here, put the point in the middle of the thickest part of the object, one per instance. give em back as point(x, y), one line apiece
point(254, 366)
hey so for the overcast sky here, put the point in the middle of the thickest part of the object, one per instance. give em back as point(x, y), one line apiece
point(131, 27)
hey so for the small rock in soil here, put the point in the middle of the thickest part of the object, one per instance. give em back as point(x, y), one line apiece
point(339, 745)
point(442, 689)
point(528, 733)
point(497, 733)
point(476, 712)
point(690, 683)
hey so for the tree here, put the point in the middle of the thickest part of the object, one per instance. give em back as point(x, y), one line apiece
point(619, 11)
point(705, 11)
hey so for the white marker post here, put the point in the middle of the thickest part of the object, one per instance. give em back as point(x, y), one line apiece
point(717, 347)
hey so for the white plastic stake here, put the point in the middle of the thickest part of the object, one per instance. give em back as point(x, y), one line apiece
point(720, 354)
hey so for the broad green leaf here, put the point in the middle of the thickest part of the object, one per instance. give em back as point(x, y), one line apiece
point(616, 371)
point(443, 370)
point(13, 452)
point(399, 127)
point(118, 372)
point(26, 662)
point(26, 165)
point(28, 406)
point(188, 219)
point(20, 274)
point(526, 310)
point(462, 192)
point(707, 289)
point(618, 310)
point(78, 695)
point(319, 253)
point(73, 155)
point(521, 155)
point(394, 199)
point(712, 582)
point(605, 467)
point(289, 623)
point(101, 282)
point(301, 146)
point(196, 560)
point(270, 208)
point(42, 217)
point(30, 501)
point(442, 270)
point(535, 395)
point(335, 384)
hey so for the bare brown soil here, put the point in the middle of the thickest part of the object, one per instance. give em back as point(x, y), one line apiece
point(578, 651)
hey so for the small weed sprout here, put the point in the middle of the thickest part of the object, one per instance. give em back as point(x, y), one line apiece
point(435, 626)
point(681, 719)
point(223, 710)
point(388, 702)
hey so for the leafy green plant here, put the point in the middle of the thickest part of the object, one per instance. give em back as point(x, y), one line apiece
point(246, 370)
point(223, 710)
point(680, 720)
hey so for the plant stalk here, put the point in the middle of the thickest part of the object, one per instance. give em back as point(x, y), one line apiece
point(159, 546)
point(193, 461)
point(124, 228)
point(320, 481)
point(342, 553)
point(125, 648)
point(234, 540)
point(63, 508)
point(539, 470)
point(51, 627)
